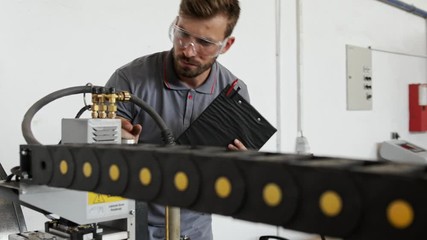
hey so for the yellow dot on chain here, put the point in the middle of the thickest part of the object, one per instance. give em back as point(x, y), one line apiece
point(330, 203)
point(223, 187)
point(272, 194)
point(114, 172)
point(87, 169)
point(181, 181)
point(63, 167)
point(400, 214)
point(145, 176)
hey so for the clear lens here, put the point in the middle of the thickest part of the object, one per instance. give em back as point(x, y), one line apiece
point(201, 46)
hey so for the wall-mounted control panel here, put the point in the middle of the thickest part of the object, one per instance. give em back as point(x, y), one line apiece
point(359, 78)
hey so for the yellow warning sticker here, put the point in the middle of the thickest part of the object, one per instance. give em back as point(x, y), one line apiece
point(96, 198)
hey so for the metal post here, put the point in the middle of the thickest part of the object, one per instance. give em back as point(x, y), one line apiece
point(172, 218)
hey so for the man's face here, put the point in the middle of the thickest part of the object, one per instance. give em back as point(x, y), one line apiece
point(197, 44)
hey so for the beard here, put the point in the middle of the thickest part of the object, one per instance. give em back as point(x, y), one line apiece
point(195, 69)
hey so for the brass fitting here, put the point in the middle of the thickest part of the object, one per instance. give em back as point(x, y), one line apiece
point(95, 106)
point(123, 96)
point(103, 103)
point(112, 100)
point(102, 106)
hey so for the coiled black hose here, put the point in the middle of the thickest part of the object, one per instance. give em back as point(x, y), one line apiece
point(166, 133)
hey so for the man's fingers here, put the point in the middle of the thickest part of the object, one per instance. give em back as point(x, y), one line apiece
point(236, 145)
point(232, 147)
point(130, 131)
point(126, 125)
point(136, 130)
point(239, 144)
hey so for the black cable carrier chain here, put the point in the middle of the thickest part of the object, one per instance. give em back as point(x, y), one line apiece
point(347, 198)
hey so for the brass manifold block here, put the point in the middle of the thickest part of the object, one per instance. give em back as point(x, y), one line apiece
point(104, 102)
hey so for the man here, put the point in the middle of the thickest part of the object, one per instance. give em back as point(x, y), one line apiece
point(179, 84)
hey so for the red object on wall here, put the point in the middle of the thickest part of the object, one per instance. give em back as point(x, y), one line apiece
point(417, 113)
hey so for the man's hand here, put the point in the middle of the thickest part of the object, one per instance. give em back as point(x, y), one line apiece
point(236, 146)
point(130, 131)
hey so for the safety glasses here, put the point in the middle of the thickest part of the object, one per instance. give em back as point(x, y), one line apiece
point(201, 46)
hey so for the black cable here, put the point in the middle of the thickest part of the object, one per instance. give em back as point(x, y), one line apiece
point(28, 117)
point(268, 237)
point(166, 133)
point(82, 110)
point(322, 237)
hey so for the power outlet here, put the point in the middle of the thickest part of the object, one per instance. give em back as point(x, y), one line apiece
point(359, 78)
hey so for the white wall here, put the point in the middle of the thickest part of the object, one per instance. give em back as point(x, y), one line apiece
point(330, 128)
point(47, 45)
